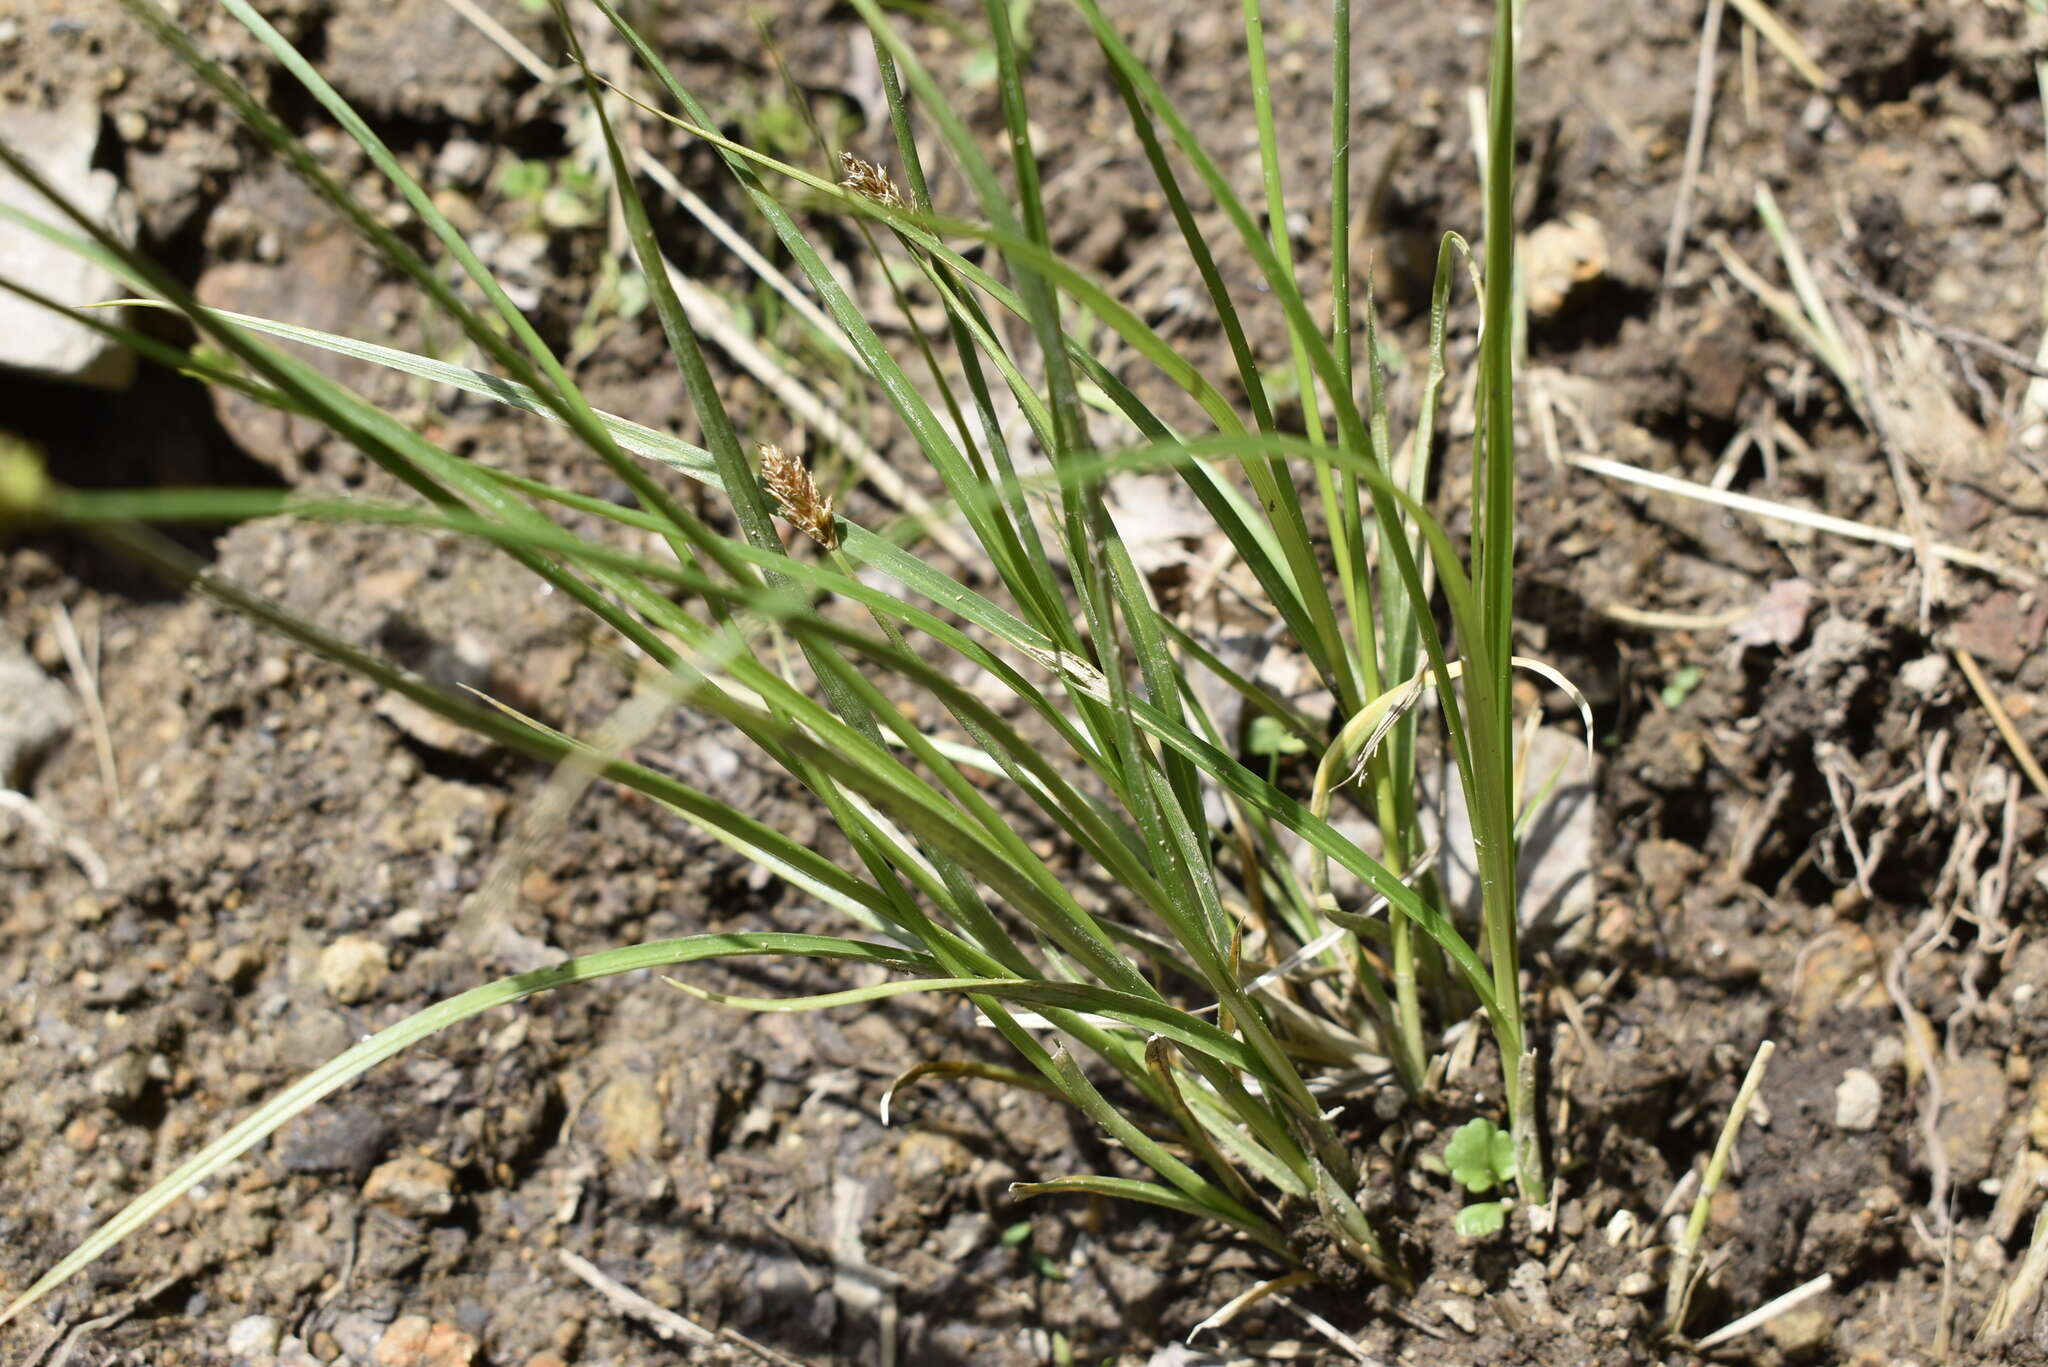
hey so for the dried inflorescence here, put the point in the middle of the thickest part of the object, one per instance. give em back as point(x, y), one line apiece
point(796, 493)
point(868, 180)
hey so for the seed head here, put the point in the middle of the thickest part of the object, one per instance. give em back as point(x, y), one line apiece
point(809, 511)
point(868, 180)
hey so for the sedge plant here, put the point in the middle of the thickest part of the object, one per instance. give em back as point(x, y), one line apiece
point(1198, 1018)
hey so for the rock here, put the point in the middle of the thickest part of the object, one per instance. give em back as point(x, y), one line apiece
point(2004, 629)
point(357, 1334)
point(1973, 1113)
point(35, 710)
point(415, 1341)
point(121, 1080)
point(1533, 1284)
point(462, 161)
point(237, 965)
point(59, 144)
point(1840, 974)
point(1559, 257)
point(1668, 868)
point(1925, 676)
point(419, 60)
point(1779, 618)
point(312, 1038)
point(430, 728)
point(293, 1352)
point(1636, 1284)
point(1858, 1099)
point(321, 288)
point(349, 1139)
point(629, 1120)
point(412, 1185)
point(1714, 362)
point(254, 1337)
point(353, 968)
point(927, 1164)
point(1800, 1331)
point(1983, 202)
point(1180, 1355)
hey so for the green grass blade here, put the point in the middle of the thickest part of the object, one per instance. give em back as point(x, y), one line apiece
point(1276, 199)
point(1149, 1193)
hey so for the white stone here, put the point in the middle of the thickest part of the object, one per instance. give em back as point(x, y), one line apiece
point(353, 968)
point(1858, 1098)
point(59, 144)
point(1925, 676)
point(35, 710)
point(254, 1338)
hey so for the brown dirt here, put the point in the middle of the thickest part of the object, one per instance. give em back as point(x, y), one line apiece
point(1822, 841)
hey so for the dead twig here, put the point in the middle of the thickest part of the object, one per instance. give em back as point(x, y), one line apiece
point(1775, 32)
point(113, 1317)
point(1912, 315)
point(86, 679)
point(1695, 148)
point(1803, 517)
point(2002, 721)
point(666, 1324)
point(1764, 1314)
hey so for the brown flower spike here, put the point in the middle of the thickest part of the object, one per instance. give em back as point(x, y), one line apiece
point(868, 180)
point(798, 497)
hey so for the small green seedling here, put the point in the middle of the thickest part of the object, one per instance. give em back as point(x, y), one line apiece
point(1481, 1155)
point(1681, 686)
point(1017, 1236)
point(556, 195)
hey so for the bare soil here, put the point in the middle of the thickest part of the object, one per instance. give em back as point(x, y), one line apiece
point(1808, 830)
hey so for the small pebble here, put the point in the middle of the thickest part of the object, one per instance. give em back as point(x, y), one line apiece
point(357, 1333)
point(237, 965)
point(1800, 1331)
point(121, 1079)
point(346, 1139)
point(412, 1185)
point(256, 1336)
point(1925, 676)
point(1636, 1284)
point(1858, 1099)
point(35, 710)
point(293, 1352)
point(415, 1341)
point(353, 968)
point(1984, 202)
